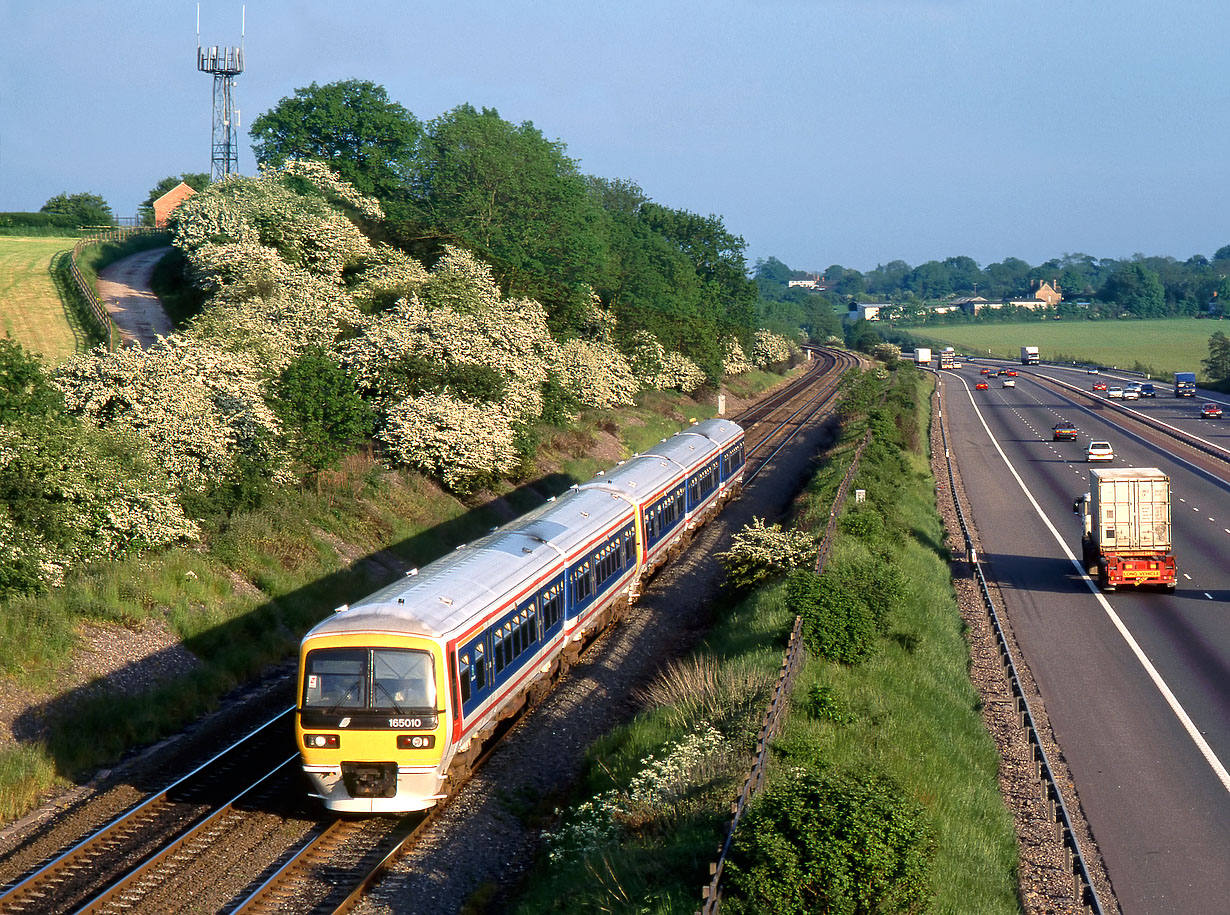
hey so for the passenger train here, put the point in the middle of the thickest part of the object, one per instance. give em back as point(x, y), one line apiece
point(398, 692)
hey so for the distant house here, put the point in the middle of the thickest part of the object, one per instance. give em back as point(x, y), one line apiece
point(812, 281)
point(867, 311)
point(169, 201)
point(1048, 293)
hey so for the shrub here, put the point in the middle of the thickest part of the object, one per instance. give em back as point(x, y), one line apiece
point(758, 553)
point(317, 402)
point(840, 843)
point(838, 622)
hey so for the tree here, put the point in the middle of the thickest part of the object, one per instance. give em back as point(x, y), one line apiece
point(515, 199)
point(1137, 290)
point(1217, 366)
point(352, 126)
point(86, 209)
point(25, 392)
point(317, 401)
point(198, 181)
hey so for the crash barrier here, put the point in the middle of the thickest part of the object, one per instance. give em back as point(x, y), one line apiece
point(792, 662)
point(1082, 885)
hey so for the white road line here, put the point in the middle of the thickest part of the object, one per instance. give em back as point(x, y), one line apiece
point(1188, 577)
point(1188, 725)
point(1208, 595)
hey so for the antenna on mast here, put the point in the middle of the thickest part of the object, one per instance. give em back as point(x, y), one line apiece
point(224, 64)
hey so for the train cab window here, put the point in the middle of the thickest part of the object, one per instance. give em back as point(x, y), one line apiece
point(335, 678)
point(402, 679)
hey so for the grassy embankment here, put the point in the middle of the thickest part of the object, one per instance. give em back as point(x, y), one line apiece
point(909, 712)
point(242, 600)
point(32, 310)
point(1158, 348)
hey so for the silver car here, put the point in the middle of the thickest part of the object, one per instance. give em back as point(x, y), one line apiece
point(1115, 393)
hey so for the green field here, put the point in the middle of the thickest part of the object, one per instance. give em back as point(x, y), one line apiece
point(31, 310)
point(1157, 347)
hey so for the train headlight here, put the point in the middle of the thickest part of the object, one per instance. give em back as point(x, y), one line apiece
point(321, 741)
point(416, 741)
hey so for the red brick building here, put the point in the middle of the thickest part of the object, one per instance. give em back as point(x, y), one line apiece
point(169, 201)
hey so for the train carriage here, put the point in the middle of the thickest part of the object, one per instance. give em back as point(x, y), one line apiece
point(409, 681)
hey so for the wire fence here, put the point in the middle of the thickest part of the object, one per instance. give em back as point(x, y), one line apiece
point(775, 716)
point(94, 308)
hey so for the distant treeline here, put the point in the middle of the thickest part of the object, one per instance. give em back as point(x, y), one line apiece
point(1145, 287)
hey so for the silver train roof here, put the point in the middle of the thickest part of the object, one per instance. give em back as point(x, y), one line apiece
point(476, 578)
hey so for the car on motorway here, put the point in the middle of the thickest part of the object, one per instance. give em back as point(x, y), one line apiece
point(1099, 451)
point(1099, 385)
point(981, 386)
point(1063, 430)
point(1091, 370)
point(1009, 382)
point(1131, 392)
point(1210, 411)
point(985, 372)
point(1011, 373)
point(1148, 390)
point(1115, 392)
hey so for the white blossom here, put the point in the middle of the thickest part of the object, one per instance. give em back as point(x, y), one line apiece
point(597, 374)
point(734, 362)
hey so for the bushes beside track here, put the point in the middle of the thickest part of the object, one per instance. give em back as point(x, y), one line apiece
point(882, 792)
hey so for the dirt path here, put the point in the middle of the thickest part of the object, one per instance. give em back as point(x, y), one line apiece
point(125, 289)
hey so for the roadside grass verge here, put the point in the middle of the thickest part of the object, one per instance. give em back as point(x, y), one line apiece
point(908, 712)
point(241, 600)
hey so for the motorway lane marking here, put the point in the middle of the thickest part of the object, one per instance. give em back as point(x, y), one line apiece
point(1184, 719)
point(1208, 595)
point(1188, 577)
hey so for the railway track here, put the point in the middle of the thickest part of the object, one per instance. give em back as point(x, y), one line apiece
point(245, 813)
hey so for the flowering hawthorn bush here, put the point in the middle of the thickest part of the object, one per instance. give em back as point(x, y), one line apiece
point(88, 506)
point(461, 442)
point(759, 552)
point(770, 348)
point(596, 374)
point(199, 407)
point(735, 362)
point(655, 368)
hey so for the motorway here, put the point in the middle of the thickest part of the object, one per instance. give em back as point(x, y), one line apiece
point(1136, 685)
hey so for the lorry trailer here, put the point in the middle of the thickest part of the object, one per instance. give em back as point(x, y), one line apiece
point(922, 355)
point(1127, 536)
point(1184, 384)
point(1029, 355)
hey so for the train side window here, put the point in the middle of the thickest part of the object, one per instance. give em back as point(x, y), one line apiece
point(480, 668)
point(464, 674)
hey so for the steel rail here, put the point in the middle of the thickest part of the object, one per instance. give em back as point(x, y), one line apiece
point(25, 895)
point(144, 869)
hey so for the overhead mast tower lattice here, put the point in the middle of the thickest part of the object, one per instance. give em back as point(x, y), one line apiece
point(225, 63)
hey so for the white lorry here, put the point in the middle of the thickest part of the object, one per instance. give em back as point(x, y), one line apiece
point(1127, 528)
point(1029, 355)
point(922, 356)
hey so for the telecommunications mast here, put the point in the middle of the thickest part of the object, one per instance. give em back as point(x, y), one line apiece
point(225, 64)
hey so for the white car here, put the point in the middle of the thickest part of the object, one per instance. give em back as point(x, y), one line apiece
point(1010, 382)
point(1132, 392)
point(1115, 393)
point(1099, 451)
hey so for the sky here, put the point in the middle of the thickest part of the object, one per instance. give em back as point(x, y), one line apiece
point(852, 132)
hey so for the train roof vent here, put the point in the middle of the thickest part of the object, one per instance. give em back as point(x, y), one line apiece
point(342, 609)
point(412, 572)
point(447, 601)
point(552, 499)
point(584, 514)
